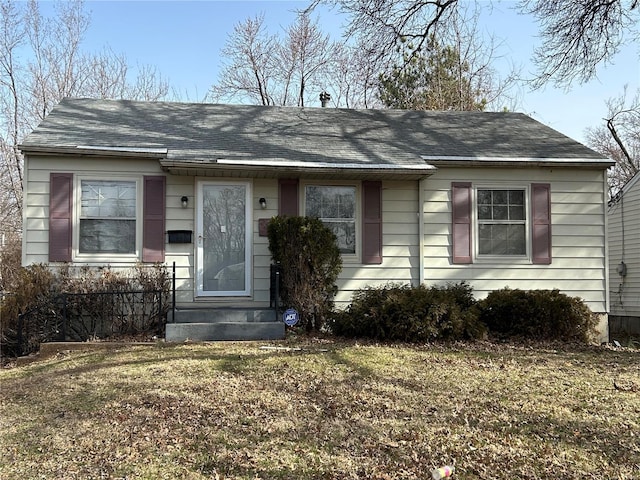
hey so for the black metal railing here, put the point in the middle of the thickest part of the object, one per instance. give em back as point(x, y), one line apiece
point(87, 316)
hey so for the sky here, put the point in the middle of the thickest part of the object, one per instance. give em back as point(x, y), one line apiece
point(183, 39)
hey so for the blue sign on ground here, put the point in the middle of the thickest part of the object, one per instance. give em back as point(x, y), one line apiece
point(290, 317)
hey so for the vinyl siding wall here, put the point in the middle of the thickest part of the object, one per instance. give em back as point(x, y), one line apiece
point(579, 261)
point(578, 266)
point(625, 291)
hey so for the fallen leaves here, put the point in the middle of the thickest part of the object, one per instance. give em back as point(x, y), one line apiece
point(329, 410)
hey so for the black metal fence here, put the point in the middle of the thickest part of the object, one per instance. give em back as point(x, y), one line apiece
point(86, 316)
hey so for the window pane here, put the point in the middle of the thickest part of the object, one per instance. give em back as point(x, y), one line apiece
point(330, 202)
point(346, 235)
point(484, 212)
point(336, 207)
point(484, 197)
point(500, 212)
point(516, 197)
point(516, 212)
point(501, 239)
point(484, 239)
point(108, 199)
point(500, 197)
point(502, 217)
point(516, 244)
point(107, 236)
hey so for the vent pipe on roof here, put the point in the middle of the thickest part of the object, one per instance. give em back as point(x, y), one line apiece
point(324, 99)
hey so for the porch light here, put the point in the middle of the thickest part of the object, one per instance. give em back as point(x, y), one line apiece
point(263, 203)
point(185, 201)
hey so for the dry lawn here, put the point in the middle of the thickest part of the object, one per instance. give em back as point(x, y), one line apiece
point(330, 410)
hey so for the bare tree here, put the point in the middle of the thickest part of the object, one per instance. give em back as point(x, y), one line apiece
point(384, 23)
point(619, 139)
point(352, 78)
point(276, 70)
point(452, 71)
point(579, 35)
point(311, 52)
point(248, 70)
point(41, 62)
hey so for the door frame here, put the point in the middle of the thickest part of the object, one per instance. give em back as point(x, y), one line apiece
point(198, 243)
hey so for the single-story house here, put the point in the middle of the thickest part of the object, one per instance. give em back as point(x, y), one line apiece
point(495, 199)
point(624, 258)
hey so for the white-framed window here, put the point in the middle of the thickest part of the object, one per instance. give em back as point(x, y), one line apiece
point(108, 217)
point(501, 217)
point(336, 207)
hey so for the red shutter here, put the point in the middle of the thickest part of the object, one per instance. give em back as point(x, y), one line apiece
point(153, 219)
point(288, 197)
point(541, 223)
point(461, 214)
point(60, 216)
point(372, 222)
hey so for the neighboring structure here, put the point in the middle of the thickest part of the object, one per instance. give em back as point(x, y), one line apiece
point(494, 199)
point(624, 258)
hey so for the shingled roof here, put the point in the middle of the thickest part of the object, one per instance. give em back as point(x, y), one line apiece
point(183, 134)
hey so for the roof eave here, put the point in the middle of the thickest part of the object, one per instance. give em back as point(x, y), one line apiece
point(521, 162)
point(297, 169)
point(89, 150)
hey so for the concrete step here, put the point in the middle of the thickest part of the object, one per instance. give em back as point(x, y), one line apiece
point(222, 330)
point(225, 315)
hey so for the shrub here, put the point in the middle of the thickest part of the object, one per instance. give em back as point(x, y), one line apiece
point(10, 262)
point(310, 262)
point(537, 315)
point(410, 314)
point(81, 304)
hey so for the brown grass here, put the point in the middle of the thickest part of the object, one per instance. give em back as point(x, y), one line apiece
point(323, 410)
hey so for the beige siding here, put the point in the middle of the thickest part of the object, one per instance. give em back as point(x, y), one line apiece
point(625, 291)
point(578, 234)
point(400, 244)
point(578, 266)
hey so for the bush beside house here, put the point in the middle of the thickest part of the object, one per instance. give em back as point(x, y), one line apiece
point(421, 314)
point(310, 261)
point(81, 304)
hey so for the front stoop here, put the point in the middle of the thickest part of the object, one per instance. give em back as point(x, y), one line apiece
point(223, 324)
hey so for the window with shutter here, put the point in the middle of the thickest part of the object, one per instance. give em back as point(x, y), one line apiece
point(118, 219)
point(335, 205)
point(461, 213)
point(497, 219)
point(371, 222)
point(541, 223)
point(288, 197)
point(60, 216)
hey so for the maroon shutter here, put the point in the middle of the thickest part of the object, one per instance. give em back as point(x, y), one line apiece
point(461, 213)
point(60, 208)
point(541, 224)
point(153, 219)
point(288, 197)
point(372, 222)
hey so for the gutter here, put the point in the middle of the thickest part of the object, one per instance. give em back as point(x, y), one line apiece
point(471, 161)
point(421, 220)
point(280, 168)
point(119, 151)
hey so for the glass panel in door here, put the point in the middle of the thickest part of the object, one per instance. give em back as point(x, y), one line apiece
point(223, 239)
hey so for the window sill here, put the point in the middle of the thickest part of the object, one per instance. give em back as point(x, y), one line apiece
point(515, 260)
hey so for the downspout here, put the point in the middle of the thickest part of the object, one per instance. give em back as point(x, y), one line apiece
point(605, 189)
point(420, 215)
point(25, 198)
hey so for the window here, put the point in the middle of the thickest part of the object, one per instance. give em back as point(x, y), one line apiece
point(107, 216)
point(336, 207)
point(501, 216)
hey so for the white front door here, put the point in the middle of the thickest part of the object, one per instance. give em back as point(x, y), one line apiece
point(223, 239)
